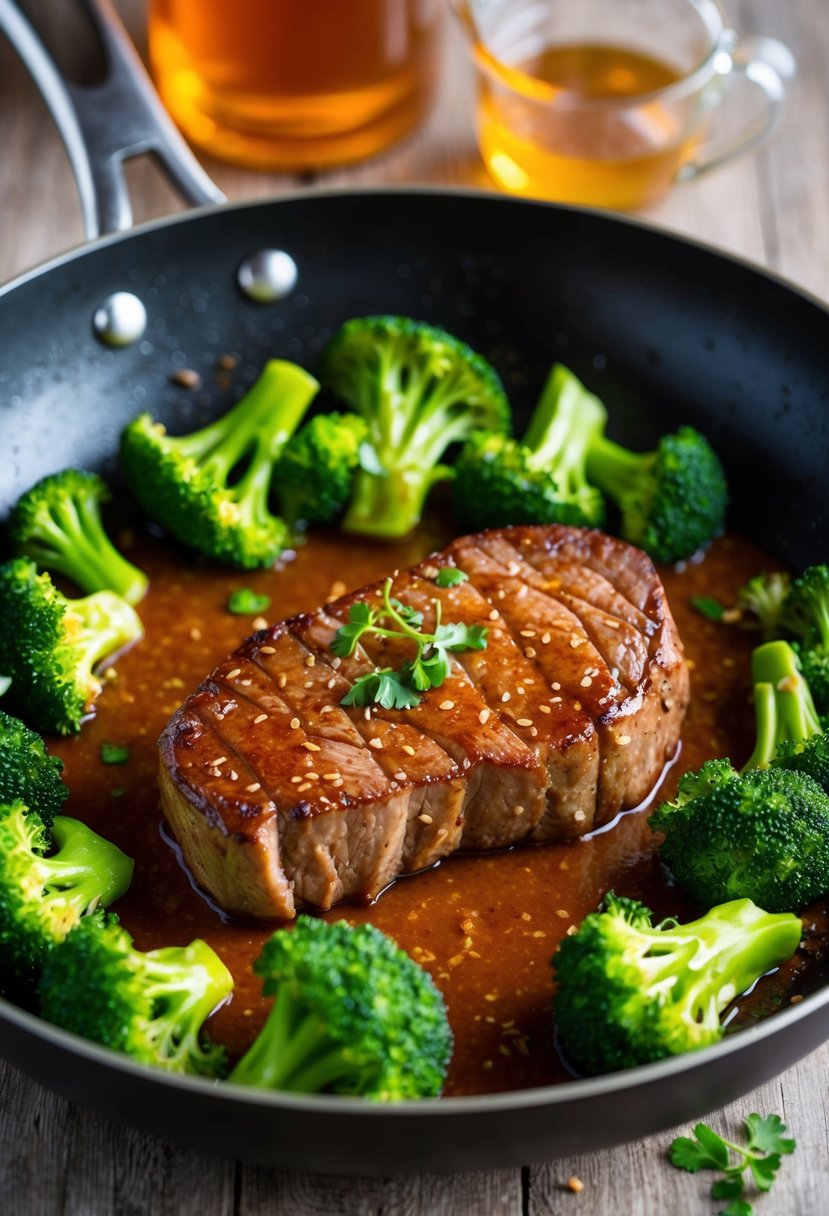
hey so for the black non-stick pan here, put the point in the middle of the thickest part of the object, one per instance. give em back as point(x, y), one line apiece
point(665, 330)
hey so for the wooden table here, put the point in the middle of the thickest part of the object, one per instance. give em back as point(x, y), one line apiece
point(56, 1157)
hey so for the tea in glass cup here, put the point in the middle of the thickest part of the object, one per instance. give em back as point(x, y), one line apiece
point(609, 102)
point(295, 84)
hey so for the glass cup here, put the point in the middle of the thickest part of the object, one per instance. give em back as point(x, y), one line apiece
point(295, 84)
point(610, 102)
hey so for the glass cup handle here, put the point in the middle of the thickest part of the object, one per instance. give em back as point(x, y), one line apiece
point(757, 60)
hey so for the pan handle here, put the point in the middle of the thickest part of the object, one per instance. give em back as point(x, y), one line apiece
point(103, 125)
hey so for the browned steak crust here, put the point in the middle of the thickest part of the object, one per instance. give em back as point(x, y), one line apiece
point(281, 797)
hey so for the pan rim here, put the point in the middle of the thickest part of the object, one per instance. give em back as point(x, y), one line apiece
point(468, 193)
point(580, 1089)
point(480, 1104)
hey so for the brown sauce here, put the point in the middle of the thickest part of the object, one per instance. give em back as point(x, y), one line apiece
point(484, 926)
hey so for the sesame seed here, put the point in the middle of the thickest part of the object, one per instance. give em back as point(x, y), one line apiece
point(327, 709)
point(545, 638)
point(545, 709)
point(555, 700)
point(215, 763)
point(624, 740)
point(441, 832)
point(294, 724)
point(562, 913)
point(215, 772)
point(408, 749)
point(260, 718)
point(331, 682)
point(513, 568)
point(233, 775)
point(611, 624)
point(424, 818)
point(521, 592)
point(283, 680)
point(534, 732)
point(575, 642)
point(296, 780)
point(555, 686)
point(336, 662)
point(525, 721)
point(302, 788)
point(339, 784)
point(310, 661)
point(493, 616)
point(312, 776)
point(529, 652)
point(579, 816)
point(367, 713)
point(506, 696)
point(331, 776)
point(376, 743)
point(195, 634)
point(586, 681)
point(483, 717)
point(521, 689)
point(253, 787)
point(310, 747)
point(447, 705)
point(245, 683)
point(400, 777)
point(526, 916)
point(267, 650)
point(502, 595)
point(527, 633)
point(308, 684)
point(259, 622)
point(237, 671)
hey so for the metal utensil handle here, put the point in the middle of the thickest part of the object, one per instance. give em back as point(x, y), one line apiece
point(103, 125)
point(767, 64)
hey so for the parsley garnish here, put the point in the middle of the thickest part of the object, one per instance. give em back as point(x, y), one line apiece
point(245, 602)
point(428, 668)
point(450, 576)
point(767, 1143)
point(708, 607)
point(115, 753)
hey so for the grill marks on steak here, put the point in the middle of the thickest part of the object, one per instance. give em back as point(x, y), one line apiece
point(280, 796)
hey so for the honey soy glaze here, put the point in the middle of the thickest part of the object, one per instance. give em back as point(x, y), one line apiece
point(484, 926)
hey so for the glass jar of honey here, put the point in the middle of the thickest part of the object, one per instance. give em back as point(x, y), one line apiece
point(295, 84)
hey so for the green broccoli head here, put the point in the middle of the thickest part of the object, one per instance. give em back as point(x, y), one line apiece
point(419, 390)
point(541, 479)
point(58, 524)
point(316, 470)
point(763, 599)
point(150, 1006)
point(807, 608)
point(672, 501)
point(814, 667)
point(47, 885)
point(764, 836)
point(27, 772)
point(50, 645)
point(211, 489)
point(353, 1015)
point(631, 993)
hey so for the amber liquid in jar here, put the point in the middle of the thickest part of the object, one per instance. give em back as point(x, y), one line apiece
point(294, 84)
point(561, 145)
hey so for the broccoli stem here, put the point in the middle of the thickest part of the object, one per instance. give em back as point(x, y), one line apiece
point(615, 469)
point(259, 425)
point(567, 420)
point(783, 704)
point(185, 985)
point(100, 625)
point(292, 1052)
point(390, 504)
point(86, 870)
point(713, 959)
point(72, 541)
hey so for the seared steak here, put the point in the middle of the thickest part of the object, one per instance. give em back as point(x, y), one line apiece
point(281, 797)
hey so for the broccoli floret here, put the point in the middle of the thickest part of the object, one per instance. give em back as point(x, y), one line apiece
point(27, 772)
point(44, 893)
point(49, 645)
point(316, 470)
point(58, 524)
point(630, 992)
point(763, 599)
point(151, 1006)
point(353, 1015)
point(542, 478)
point(806, 613)
point(672, 501)
point(762, 834)
point(419, 390)
point(210, 490)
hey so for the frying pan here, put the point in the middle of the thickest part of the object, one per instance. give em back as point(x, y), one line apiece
point(663, 329)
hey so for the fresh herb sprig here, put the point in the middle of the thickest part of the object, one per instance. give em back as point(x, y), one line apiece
point(403, 687)
point(767, 1144)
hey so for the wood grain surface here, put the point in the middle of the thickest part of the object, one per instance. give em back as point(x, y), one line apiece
point(771, 208)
